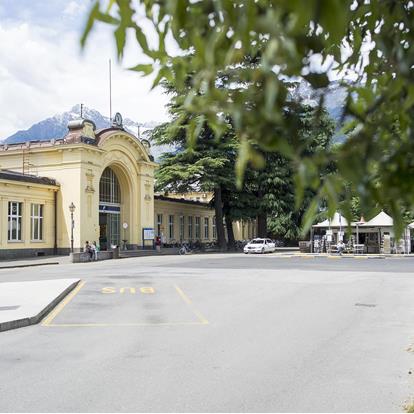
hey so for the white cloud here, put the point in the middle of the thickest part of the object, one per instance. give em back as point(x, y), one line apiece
point(43, 72)
point(74, 8)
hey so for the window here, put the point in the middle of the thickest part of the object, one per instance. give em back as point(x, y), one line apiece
point(36, 219)
point(181, 228)
point(171, 226)
point(159, 224)
point(15, 221)
point(214, 228)
point(197, 228)
point(190, 228)
point(206, 235)
point(109, 189)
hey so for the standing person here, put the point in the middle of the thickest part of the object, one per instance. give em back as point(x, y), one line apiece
point(95, 250)
point(158, 243)
point(88, 249)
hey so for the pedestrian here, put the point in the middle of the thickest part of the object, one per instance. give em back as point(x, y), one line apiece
point(95, 250)
point(340, 247)
point(88, 249)
point(158, 243)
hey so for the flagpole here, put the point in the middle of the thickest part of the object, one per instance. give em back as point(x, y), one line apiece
point(110, 91)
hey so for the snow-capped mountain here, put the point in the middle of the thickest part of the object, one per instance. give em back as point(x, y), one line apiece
point(57, 127)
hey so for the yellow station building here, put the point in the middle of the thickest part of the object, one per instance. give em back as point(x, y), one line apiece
point(108, 176)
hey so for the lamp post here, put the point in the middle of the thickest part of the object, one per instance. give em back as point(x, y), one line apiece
point(72, 224)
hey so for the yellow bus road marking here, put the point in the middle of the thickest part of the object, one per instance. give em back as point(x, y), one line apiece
point(187, 300)
point(131, 290)
point(59, 308)
point(111, 325)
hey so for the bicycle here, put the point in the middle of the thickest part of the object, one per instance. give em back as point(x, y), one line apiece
point(184, 249)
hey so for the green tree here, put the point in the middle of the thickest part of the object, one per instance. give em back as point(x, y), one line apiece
point(274, 185)
point(368, 42)
point(207, 165)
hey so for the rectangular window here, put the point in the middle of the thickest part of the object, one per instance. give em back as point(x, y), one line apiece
point(197, 228)
point(15, 221)
point(214, 228)
point(181, 228)
point(159, 224)
point(171, 226)
point(36, 220)
point(206, 232)
point(190, 228)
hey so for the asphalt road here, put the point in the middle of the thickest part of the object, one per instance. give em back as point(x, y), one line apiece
point(217, 333)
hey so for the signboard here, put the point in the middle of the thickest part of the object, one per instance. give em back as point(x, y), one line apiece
point(148, 234)
point(103, 208)
point(329, 237)
point(329, 232)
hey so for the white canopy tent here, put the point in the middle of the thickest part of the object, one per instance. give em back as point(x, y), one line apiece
point(373, 231)
point(337, 221)
point(380, 220)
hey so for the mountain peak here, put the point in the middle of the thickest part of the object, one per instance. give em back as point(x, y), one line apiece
point(56, 126)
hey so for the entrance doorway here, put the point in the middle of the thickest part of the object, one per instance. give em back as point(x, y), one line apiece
point(109, 210)
point(109, 230)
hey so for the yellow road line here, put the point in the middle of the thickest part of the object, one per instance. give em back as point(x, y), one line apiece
point(187, 300)
point(104, 325)
point(52, 315)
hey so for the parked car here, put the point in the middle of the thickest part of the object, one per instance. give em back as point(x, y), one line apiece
point(259, 246)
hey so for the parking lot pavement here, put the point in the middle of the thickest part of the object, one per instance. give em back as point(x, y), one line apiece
point(217, 333)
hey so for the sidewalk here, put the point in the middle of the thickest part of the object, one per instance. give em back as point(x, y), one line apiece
point(34, 261)
point(26, 303)
point(343, 256)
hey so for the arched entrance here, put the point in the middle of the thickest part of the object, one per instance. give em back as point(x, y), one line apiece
point(109, 210)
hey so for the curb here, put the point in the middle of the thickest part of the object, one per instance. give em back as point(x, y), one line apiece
point(33, 320)
point(28, 265)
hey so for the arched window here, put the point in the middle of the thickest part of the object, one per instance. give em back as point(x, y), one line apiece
point(109, 189)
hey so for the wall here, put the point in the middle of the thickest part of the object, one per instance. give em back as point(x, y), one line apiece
point(78, 168)
point(26, 193)
point(177, 209)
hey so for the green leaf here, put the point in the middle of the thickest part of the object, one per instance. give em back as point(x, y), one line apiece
point(90, 22)
point(146, 69)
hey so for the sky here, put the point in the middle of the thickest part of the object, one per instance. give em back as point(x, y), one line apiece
point(44, 72)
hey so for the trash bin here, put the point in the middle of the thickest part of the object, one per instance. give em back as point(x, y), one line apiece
point(115, 250)
point(304, 246)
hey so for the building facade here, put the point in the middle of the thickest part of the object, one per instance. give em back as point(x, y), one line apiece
point(107, 175)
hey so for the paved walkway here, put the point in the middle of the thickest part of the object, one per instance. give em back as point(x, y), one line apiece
point(34, 261)
point(26, 303)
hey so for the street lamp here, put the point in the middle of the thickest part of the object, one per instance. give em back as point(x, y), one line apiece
point(72, 210)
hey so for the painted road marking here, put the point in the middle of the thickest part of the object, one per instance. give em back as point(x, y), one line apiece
point(47, 321)
point(201, 320)
point(132, 324)
point(187, 300)
point(131, 290)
